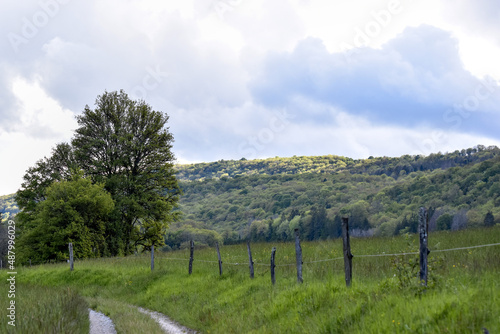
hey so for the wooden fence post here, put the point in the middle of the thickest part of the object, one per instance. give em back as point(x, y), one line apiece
point(30, 263)
point(298, 256)
point(250, 261)
point(220, 260)
point(152, 257)
point(191, 254)
point(423, 227)
point(347, 251)
point(273, 277)
point(70, 257)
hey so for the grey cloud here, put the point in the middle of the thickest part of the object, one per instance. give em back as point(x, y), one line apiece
point(413, 80)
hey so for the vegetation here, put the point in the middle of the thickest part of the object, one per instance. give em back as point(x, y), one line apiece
point(8, 207)
point(44, 309)
point(463, 294)
point(266, 200)
point(126, 318)
point(111, 191)
point(74, 211)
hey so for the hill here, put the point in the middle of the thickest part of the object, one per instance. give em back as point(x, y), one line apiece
point(266, 199)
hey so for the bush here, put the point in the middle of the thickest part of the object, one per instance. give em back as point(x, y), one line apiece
point(444, 222)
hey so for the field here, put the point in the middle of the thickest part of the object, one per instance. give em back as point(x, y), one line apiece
point(463, 295)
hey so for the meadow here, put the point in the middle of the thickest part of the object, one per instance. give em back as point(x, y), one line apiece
point(463, 294)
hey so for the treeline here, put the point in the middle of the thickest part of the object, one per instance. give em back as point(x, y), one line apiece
point(394, 167)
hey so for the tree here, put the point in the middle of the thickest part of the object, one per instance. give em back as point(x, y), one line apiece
point(489, 219)
point(444, 222)
point(74, 211)
point(126, 145)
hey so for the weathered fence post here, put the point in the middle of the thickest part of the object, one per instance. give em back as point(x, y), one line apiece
point(298, 256)
point(30, 263)
point(1, 264)
point(220, 260)
point(191, 253)
point(70, 256)
point(152, 257)
point(273, 253)
point(250, 261)
point(347, 251)
point(423, 228)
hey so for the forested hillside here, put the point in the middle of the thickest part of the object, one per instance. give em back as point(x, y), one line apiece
point(268, 199)
point(228, 201)
point(394, 167)
point(8, 206)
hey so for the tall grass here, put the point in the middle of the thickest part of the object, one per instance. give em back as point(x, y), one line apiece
point(46, 310)
point(463, 295)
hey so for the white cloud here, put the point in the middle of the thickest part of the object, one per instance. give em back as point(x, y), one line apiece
point(42, 123)
point(201, 61)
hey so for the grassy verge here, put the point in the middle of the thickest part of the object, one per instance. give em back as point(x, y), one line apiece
point(126, 318)
point(46, 310)
point(463, 297)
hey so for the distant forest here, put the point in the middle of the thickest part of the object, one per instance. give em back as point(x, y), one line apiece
point(265, 200)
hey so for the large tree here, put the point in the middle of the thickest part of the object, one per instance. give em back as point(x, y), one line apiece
point(127, 145)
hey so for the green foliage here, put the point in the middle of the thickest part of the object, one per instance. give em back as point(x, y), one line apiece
point(260, 199)
point(123, 145)
point(489, 219)
point(126, 145)
point(179, 236)
point(318, 190)
point(8, 207)
point(74, 211)
point(444, 222)
point(407, 269)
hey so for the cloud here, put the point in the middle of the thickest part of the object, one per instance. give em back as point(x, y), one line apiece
point(412, 80)
point(481, 17)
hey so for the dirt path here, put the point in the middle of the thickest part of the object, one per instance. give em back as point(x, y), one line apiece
point(165, 323)
point(100, 324)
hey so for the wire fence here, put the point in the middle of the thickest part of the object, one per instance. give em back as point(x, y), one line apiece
point(245, 263)
point(340, 258)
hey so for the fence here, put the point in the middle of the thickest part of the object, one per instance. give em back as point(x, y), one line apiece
point(347, 255)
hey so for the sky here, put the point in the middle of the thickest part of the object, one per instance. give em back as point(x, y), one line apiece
point(254, 78)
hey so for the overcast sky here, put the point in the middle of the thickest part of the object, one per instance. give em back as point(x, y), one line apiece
point(255, 78)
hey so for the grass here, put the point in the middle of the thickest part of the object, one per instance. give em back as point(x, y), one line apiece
point(125, 316)
point(463, 294)
point(46, 310)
